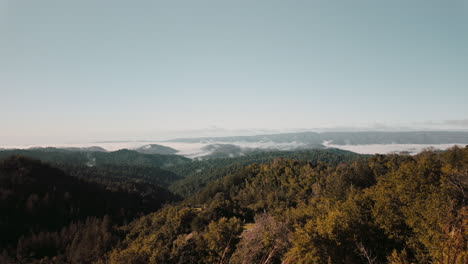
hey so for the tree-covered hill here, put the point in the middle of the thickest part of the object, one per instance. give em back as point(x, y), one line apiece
point(109, 174)
point(385, 209)
point(198, 173)
point(37, 198)
point(323, 207)
point(156, 149)
point(121, 157)
point(112, 169)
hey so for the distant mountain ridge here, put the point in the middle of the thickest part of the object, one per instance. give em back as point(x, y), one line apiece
point(123, 157)
point(66, 149)
point(345, 138)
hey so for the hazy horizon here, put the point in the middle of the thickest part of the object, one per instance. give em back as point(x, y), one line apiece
point(232, 145)
point(215, 132)
point(86, 71)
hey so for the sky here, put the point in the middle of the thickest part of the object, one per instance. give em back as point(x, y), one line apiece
point(88, 70)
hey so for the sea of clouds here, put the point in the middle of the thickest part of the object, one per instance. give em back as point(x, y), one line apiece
point(412, 149)
point(195, 150)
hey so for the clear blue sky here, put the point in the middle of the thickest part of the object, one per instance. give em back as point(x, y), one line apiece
point(97, 70)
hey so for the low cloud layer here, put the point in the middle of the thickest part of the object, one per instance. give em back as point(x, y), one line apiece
point(196, 150)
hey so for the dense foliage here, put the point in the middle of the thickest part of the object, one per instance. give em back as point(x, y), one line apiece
point(115, 177)
point(36, 199)
point(123, 157)
point(199, 173)
point(124, 170)
point(396, 209)
point(386, 209)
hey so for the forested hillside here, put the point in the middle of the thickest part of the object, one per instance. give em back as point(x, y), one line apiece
point(122, 157)
point(198, 173)
point(44, 210)
point(386, 209)
point(319, 207)
point(125, 170)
